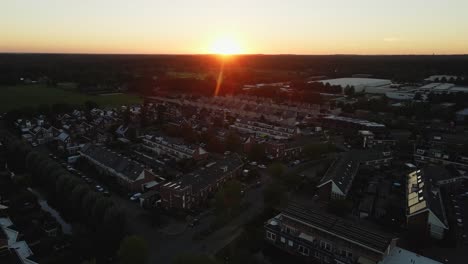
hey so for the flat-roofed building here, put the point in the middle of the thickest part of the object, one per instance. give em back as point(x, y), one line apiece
point(402, 256)
point(321, 238)
point(360, 84)
point(341, 122)
point(440, 155)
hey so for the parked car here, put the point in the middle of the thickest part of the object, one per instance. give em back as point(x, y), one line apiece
point(261, 166)
point(258, 184)
point(135, 197)
point(194, 222)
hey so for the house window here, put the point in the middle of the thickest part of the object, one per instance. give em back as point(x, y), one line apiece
point(271, 236)
point(325, 245)
point(283, 240)
point(290, 243)
point(346, 253)
point(289, 230)
point(317, 255)
point(303, 250)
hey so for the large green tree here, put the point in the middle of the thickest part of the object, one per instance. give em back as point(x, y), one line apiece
point(194, 259)
point(133, 250)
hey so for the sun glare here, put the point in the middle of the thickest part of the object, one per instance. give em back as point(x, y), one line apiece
point(226, 46)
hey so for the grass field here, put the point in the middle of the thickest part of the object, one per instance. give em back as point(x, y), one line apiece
point(184, 75)
point(12, 97)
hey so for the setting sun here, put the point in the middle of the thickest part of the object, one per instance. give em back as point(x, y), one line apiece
point(226, 46)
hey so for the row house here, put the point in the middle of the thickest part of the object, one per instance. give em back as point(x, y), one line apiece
point(192, 189)
point(338, 178)
point(320, 238)
point(265, 130)
point(128, 173)
point(174, 149)
point(440, 156)
point(368, 139)
point(284, 149)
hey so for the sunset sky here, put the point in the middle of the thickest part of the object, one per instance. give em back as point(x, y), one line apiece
point(255, 26)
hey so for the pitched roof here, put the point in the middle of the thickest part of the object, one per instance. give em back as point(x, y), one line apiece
point(341, 172)
point(207, 175)
point(121, 164)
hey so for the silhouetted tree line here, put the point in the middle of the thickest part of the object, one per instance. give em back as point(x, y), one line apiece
point(104, 221)
point(142, 73)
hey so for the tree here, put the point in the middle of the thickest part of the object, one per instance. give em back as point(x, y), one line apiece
point(417, 97)
point(194, 259)
point(160, 110)
point(91, 261)
point(340, 207)
point(133, 250)
point(276, 170)
point(349, 91)
point(272, 195)
point(233, 142)
point(229, 198)
point(257, 152)
point(90, 105)
point(214, 145)
point(315, 150)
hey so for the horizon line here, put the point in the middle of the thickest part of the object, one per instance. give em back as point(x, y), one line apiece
point(229, 55)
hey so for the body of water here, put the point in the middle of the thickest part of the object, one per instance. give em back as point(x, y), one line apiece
point(66, 227)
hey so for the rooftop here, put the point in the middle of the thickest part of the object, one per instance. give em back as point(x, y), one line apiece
point(343, 82)
point(206, 175)
point(402, 256)
point(121, 164)
point(354, 120)
point(357, 234)
point(342, 172)
point(422, 195)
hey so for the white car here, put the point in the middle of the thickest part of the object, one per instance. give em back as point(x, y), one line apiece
point(253, 163)
point(261, 166)
point(135, 197)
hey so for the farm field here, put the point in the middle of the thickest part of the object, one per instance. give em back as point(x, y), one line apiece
point(12, 97)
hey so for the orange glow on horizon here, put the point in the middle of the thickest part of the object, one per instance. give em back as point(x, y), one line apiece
point(226, 46)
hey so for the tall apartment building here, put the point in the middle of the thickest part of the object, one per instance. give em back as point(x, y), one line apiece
point(425, 210)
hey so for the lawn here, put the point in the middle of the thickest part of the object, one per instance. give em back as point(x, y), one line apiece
point(185, 75)
point(12, 97)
